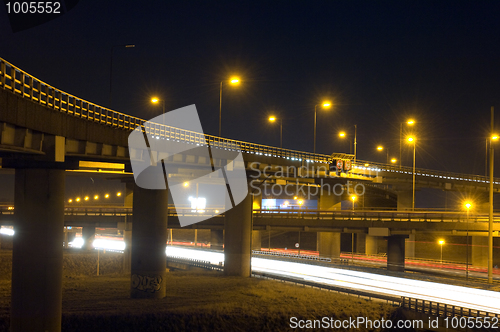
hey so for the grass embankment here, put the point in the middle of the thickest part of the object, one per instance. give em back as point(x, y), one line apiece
point(196, 301)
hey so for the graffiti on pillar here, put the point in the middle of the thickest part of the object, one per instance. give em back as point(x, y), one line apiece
point(146, 283)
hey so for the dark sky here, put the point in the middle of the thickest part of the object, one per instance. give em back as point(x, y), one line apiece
point(380, 62)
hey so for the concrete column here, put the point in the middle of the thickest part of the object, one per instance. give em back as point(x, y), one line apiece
point(127, 231)
point(371, 245)
point(327, 200)
point(149, 239)
point(360, 243)
point(396, 253)
point(405, 200)
point(257, 201)
point(37, 250)
point(479, 250)
point(237, 240)
point(256, 240)
point(410, 246)
point(127, 253)
point(217, 239)
point(88, 236)
point(329, 244)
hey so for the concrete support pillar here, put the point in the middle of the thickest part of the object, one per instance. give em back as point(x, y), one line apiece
point(360, 243)
point(88, 236)
point(256, 240)
point(329, 244)
point(405, 200)
point(479, 250)
point(217, 239)
point(327, 200)
point(37, 250)
point(127, 231)
point(396, 253)
point(127, 253)
point(237, 240)
point(149, 263)
point(410, 246)
point(371, 245)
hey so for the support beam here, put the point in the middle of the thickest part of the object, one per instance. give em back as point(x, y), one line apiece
point(238, 234)
point(148, 263)
point(256, 240)
point(88, 236)
point(329, 245)
point(405, 200)
point(37, 250)
point(396, 253)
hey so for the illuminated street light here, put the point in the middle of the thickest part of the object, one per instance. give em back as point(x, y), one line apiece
point(234, 80)
point(70, 200)
point(77, 199)
point(106, 196)
point(118, 194)
point(186, 184)
point(381, 148)
point(412, 140)
point(394, 160)
point(353, 198)
point(494, 137)
point(96, 197)
point(324, 105)
point(468, 206)
point(272, 118)
point(441, 242)
point(156, 100)
point(409, 122)
point(86, 198)
point(343, 134)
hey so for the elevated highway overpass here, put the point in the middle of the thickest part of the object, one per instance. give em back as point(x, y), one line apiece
point(45, 132)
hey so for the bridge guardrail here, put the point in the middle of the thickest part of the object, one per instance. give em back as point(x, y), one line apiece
point(369, 165)
point(27, 86)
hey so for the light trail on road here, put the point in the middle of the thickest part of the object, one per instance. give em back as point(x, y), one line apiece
point(466, 297)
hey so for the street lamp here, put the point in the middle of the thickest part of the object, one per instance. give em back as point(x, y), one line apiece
point(342, 134)
point(381, 148)
point(234, 80)
point(468, 206)
point(394, 160)
point(325, 105)
point(441, 242)
point(494, 137)
point(111, 69)
point(272, 118)
point(410, 122)
point(412, 140)
point(353, 198)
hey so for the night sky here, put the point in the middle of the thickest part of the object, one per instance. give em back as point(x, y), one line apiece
point(379, 62)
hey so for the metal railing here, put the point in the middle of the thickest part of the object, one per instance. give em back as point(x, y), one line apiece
point(443, 175)
point(442, 309)
point(389, 216)
point(27, 86)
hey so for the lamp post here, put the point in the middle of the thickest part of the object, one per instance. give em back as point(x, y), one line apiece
point(381, 148)
point(410, 122)
point(111, 69)
point(494, 137)
point(325, 105)
point(342, 134)
point(441, 242)
point(156, 100)
point(272, 118)
point(412, 140)
point(233, 81)
point(468, 206)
